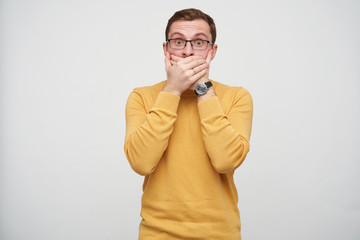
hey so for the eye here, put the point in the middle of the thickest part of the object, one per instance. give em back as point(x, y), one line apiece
point(198, 43)
point(179, 42)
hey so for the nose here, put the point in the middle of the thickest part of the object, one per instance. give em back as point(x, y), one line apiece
point(188, 50)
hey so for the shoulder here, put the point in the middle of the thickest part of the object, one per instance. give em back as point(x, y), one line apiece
point(152, 90)
point(232, 97)
point(227, 92)
point(145, 96)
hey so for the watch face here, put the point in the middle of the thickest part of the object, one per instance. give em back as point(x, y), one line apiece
point(201, 89)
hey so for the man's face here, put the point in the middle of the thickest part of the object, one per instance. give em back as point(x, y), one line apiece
point(197, 29)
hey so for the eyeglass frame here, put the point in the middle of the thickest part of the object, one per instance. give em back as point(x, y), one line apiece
point(191, 44)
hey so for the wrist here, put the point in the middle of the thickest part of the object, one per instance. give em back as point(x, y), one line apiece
point(208, 94)
point(171, 90)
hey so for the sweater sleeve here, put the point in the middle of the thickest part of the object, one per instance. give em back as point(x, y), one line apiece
point(226, 136)
point(147, 133)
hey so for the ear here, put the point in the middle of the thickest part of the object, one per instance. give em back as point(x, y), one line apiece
point(214, 49)
point(165, 48)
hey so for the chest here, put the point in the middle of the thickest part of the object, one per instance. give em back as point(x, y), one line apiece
point(187, 125)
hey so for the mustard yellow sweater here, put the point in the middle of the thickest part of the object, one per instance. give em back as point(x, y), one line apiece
point(188, 152)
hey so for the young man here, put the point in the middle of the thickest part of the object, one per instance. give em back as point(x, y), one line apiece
point(187, 135)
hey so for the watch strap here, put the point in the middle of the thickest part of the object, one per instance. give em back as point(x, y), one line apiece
point(208, 84)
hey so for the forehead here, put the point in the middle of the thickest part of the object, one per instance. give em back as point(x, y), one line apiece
point(190, 28)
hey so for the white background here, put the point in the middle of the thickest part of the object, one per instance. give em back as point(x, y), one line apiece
point(67, 68)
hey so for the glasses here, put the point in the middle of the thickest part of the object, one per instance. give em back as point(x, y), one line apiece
point(179, 44)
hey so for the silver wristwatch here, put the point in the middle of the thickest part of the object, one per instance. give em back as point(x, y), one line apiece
point(202, 88)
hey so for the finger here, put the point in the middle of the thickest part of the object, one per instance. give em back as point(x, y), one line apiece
point(167, 61)
point(195, 63)
point(175, 58)
point(184, 60)
point(172, 62)
point(199, 75)
point(201, 67)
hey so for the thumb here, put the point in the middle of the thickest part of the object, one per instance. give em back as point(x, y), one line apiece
point(167, 61)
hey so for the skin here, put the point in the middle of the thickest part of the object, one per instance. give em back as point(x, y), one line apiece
point(187, 67)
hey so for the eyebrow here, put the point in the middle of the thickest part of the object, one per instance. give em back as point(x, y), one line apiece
point(196, 35)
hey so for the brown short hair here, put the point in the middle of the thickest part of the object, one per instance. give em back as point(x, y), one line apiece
point(189, 15)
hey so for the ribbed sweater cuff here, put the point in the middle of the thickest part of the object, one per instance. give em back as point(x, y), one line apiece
point(209, 107)
point(167, 101)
